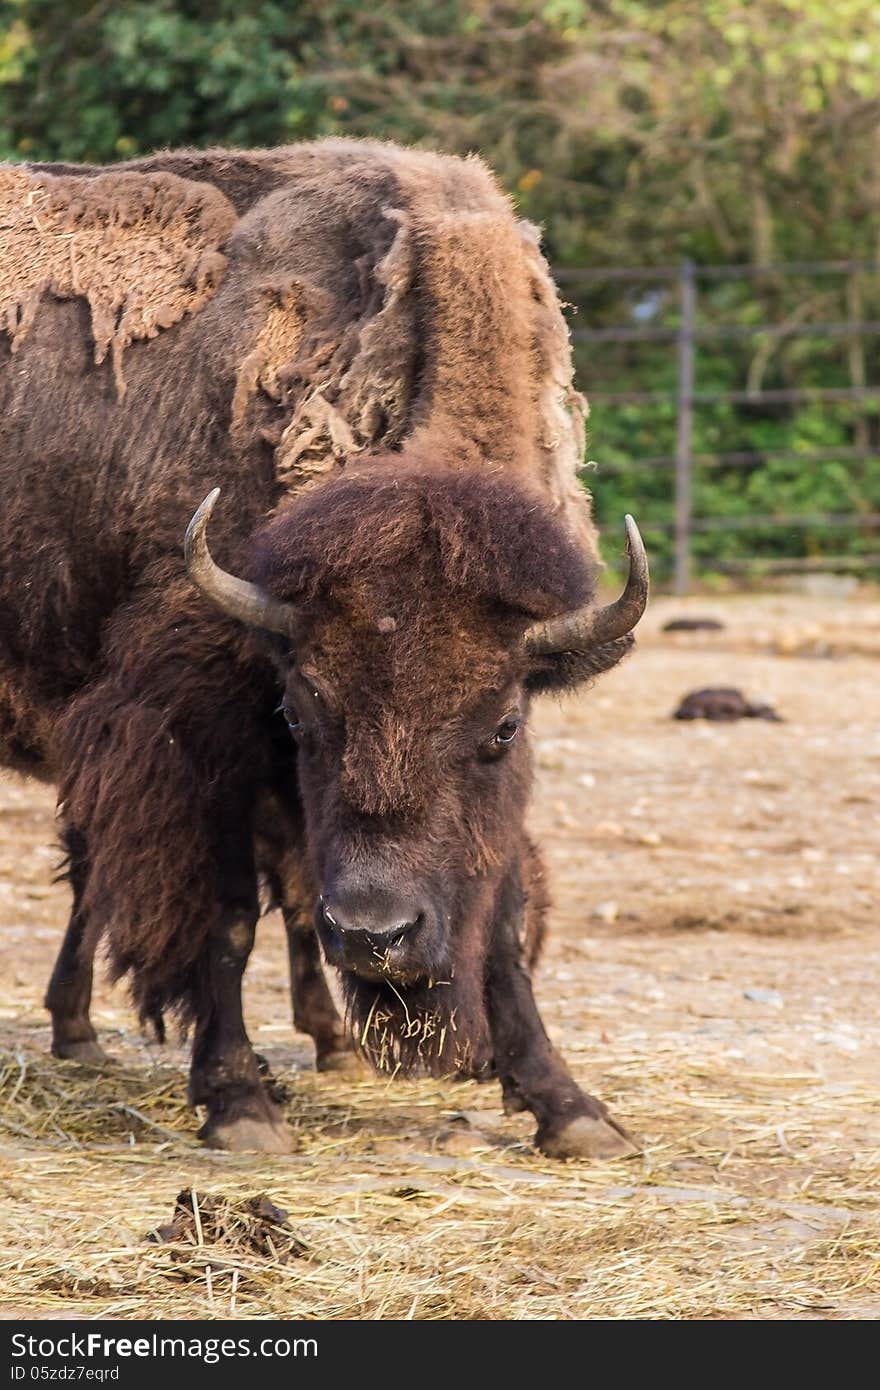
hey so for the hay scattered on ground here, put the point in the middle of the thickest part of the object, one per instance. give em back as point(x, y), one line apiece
point(745, 1203)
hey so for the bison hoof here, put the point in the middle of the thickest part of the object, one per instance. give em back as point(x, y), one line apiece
point(340, 1059)
point(589, 1137)
point(88, 1051)
point(513, 1104)
point(247, 1134)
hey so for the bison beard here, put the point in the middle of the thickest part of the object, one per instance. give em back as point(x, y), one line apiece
point(364, 349)
point(443, 1026)
point(439, 1027)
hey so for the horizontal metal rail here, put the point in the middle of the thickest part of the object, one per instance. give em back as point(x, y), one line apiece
point(780, 564)
point(798, 564)
point(723, 332)
point(778, 520)
point(569, 274)
point(803, 395)
point(736, 458)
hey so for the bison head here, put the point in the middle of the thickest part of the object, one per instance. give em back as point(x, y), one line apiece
point(418, 611)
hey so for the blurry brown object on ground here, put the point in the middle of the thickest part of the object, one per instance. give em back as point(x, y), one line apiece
point(723, 703)
point(693, 625)
point(253, 1224)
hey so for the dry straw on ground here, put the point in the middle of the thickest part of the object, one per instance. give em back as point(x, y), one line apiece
point(743, 1205)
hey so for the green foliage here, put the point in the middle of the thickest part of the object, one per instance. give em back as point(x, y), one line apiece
point(100, 82)
point(802, 464)
point(636, 132)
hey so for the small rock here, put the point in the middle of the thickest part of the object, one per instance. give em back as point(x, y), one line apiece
point(787, 642)
point(756, 778)
point(607, 912)
point(764, 996)
point(608, 827)
point(461, 1142)
point(838, 1038)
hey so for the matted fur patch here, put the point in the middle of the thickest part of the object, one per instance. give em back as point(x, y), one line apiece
point(359, 393)
point(142, 249)
point(275, 347)
point(338, 368)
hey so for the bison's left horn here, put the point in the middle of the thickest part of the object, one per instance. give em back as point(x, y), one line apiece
point(590, 627)
point(237, 597)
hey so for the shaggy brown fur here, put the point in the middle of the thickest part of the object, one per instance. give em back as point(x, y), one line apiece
point(145, 719)
point(364, 349)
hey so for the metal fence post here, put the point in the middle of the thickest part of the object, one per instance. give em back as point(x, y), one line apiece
point(684, 442)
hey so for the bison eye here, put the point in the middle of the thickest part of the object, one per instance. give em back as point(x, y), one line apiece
point(292, 719)
point(506, 733)
point(496, 746)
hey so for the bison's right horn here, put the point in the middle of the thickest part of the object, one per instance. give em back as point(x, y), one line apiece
point(237, 597)
point(591, 627)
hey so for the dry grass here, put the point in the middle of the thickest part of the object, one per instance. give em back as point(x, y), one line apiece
point(745, 1203)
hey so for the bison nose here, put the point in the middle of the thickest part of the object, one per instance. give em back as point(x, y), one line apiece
point(380, 921)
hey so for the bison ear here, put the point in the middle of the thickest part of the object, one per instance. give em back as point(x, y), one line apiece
point(561, 671)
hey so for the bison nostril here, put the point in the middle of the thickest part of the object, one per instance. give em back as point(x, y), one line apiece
point(365, 924)
point(403, 929)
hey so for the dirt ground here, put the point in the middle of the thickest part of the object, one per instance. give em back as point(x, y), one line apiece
point(713, 973)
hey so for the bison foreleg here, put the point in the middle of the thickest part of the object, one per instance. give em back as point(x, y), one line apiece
point(314, 1011)
point(69, 995)
point(571, 1124)
point(225, 1076)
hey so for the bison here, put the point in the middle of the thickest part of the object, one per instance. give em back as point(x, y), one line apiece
point(361, 350)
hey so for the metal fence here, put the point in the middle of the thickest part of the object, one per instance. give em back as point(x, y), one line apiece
point(685, 337)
